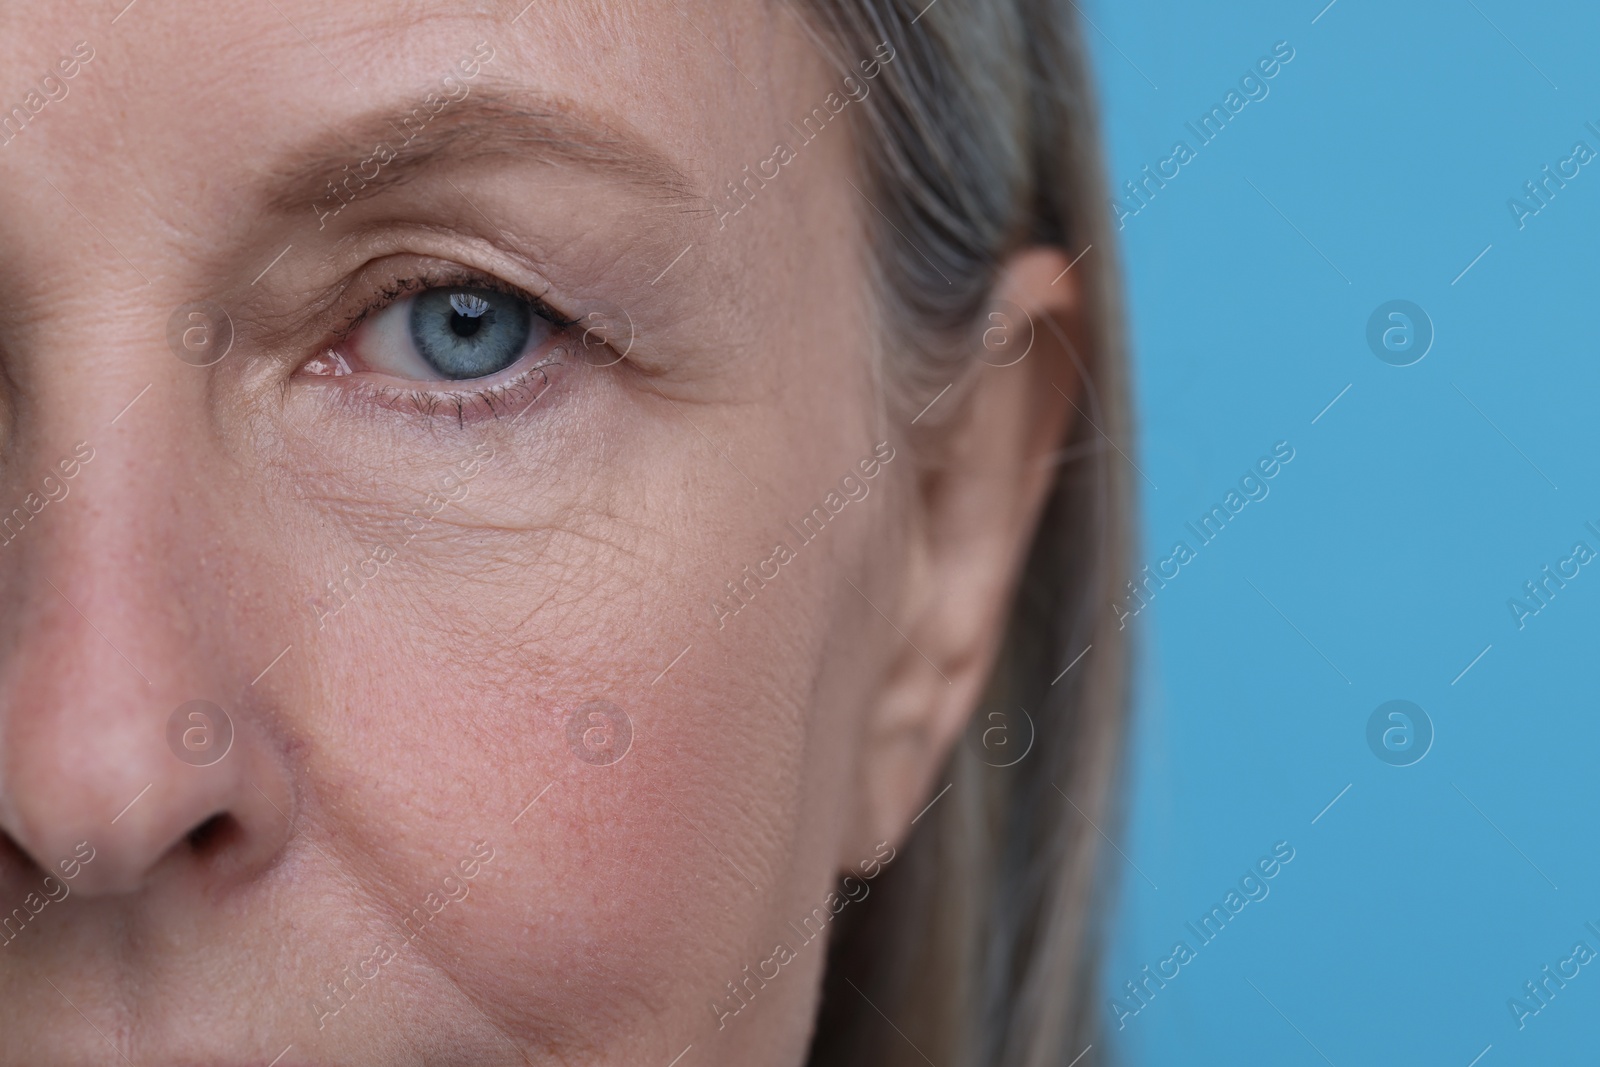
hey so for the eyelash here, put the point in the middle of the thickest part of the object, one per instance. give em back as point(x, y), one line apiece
point(463, 402)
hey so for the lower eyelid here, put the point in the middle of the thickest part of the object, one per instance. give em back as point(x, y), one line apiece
point(508, 399)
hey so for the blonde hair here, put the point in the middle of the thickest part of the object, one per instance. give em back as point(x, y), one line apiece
point(979, 139)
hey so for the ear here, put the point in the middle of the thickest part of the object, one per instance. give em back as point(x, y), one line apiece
point(983, 479)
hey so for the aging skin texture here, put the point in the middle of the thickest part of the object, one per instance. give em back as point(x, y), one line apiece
point(401, 591)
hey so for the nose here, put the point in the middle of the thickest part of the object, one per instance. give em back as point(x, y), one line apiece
point(129, 732)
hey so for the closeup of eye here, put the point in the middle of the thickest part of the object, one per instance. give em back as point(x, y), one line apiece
point(436, 339)
point(450, 333)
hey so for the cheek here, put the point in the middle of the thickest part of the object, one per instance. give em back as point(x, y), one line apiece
point(490, 699)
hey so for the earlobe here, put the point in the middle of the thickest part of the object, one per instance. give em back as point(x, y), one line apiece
point(982, 482)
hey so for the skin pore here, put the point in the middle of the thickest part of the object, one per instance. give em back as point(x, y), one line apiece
point(411, 751)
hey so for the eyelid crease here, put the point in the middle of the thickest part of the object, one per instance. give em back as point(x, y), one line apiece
point(318, 313)
point(449, 278)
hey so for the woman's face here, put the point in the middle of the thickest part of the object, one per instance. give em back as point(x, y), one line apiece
point(521, 737)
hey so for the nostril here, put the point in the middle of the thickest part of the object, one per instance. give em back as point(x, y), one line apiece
point(214, 835)
point(13, 856)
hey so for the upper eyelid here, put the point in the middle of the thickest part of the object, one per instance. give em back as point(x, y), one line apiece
point(297, 317)
point(442, 252)
point(459, 277)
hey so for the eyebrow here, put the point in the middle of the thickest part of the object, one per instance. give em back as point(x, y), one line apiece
point(488, 123)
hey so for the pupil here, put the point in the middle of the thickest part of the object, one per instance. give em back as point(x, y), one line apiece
point(470, 311)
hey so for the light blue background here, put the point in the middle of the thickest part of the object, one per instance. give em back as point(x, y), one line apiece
point(1393, 541)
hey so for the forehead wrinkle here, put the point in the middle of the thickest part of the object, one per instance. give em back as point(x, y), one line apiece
point(491, 123)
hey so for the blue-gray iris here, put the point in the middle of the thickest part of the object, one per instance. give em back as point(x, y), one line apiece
point(469, 333)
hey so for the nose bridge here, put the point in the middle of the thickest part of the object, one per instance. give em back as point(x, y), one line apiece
point(120, 729)
point(107, 562)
